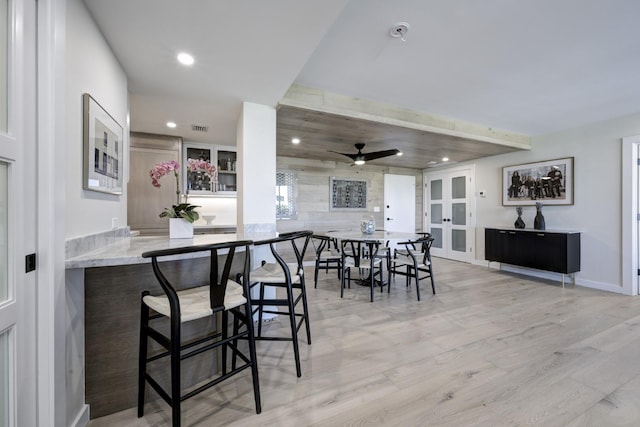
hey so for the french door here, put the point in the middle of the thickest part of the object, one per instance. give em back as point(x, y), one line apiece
point(17, 213)
point(449, 213)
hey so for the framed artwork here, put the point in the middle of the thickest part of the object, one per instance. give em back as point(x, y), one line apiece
point(103, 149)
point(549, 182)
point(348, 194)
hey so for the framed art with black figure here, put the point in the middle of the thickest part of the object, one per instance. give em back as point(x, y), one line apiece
point(549, 182)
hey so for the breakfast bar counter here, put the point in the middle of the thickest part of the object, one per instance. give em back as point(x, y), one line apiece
point(104, 288)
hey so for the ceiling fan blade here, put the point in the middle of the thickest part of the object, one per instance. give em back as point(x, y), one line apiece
point(380, 154)
point(351, 156)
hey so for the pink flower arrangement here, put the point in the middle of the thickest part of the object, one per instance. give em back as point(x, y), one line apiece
point(180, 210)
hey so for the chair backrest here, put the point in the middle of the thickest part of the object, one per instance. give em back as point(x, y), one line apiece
point(217, 281)
point(358, 249)
point(299, 241)
point(322, 243)
point(423, 244)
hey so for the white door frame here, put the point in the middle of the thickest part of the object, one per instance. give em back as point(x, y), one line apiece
point(471, 235)
point(51, 326)
point(630, 211)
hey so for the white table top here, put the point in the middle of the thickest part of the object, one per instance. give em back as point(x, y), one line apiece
point(381, 236)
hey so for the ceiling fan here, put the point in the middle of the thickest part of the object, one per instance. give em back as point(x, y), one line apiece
point(360, 158)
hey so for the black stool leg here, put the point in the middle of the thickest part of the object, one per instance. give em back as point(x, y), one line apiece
point(142, 356)
point(294, 331)
point(305, 315)
point(225, 334)
point(175, 372)
point(248, 319)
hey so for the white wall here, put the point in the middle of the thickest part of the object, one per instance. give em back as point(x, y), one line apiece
point(596, 149)
point(91, 68)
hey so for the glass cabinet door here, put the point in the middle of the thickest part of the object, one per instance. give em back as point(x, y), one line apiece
point(197, 182)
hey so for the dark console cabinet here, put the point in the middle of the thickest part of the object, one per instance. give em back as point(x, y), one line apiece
point(543, 250)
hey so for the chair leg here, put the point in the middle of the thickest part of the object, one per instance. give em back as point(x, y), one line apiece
point(260, 308)
point(225, 334)
point(305, 314)
point(248, 318)
point(418, 283)
point(142, 356)
point(175, 372)
point(294, 331)
point(315, 275)
point(433, 286)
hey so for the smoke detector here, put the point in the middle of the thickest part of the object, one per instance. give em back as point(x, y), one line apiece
point(399, 30)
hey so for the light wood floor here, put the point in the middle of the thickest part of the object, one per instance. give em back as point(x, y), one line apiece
point(490, 349)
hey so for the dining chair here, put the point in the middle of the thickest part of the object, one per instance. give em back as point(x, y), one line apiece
point(414, 259)
point(328, 255)
point(287, 275)
point(362, 255)
point(181, 303)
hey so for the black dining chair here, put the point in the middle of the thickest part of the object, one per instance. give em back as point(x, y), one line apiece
point(414, 262)
point(182, 302)
point(362, 255)
point(287, 275)
point(327, 254)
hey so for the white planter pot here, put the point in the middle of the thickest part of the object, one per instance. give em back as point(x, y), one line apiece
point(180, 228)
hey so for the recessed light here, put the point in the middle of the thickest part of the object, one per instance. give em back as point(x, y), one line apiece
point(171, 125)
point(185, 58)
point(295, 140)
point(445, 159)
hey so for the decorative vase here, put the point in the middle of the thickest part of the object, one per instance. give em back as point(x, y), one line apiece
point(519, 222)
point(538, 221)
point(368, 224)
point(180, 228)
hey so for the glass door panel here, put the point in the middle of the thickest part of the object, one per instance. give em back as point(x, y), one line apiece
point(436, 212)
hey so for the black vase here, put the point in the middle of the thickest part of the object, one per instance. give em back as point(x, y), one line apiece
point(519, 223)
point(538, 221)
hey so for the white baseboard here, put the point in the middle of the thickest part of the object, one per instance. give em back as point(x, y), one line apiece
point(82, 419)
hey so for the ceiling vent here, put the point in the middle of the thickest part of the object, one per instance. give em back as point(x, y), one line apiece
point(199, 128)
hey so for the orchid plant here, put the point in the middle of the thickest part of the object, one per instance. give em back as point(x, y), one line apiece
point(180, 210)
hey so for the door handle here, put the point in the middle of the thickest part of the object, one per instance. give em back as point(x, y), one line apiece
point(389, 219)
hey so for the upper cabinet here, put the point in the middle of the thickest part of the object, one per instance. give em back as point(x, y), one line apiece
point(199, 182)
point(226, 161)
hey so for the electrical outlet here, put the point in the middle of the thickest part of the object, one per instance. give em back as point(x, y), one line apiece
point(114, 223)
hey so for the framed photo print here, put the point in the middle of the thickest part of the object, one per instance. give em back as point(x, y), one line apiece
point(103, 147)
point(549, 182)
point(348, 194)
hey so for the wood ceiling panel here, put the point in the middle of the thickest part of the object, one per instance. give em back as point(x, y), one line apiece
point(321, 133)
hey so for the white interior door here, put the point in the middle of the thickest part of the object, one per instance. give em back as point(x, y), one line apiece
point(400, 203)
point(449, 213)
point(17, 213)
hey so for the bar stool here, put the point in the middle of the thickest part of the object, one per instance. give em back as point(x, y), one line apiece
point(288, 276)
point(219, 294)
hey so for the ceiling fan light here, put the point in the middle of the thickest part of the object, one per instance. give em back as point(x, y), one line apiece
point(359, 162)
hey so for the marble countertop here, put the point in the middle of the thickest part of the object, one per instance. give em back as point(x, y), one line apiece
point(129, 250)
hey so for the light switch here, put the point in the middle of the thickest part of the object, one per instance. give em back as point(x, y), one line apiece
point(376, 208)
